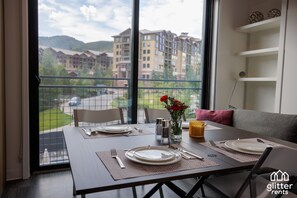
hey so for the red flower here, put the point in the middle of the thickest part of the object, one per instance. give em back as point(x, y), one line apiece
point(185, 107)
point(175, 108)
point(164, 98)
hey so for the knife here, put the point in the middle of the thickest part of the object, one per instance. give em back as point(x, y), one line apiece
point(192, 154)
point(184, 155)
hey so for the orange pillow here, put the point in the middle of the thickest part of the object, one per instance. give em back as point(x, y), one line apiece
point(220, 116)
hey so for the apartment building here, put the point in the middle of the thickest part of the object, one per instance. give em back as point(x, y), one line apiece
point(73, 60)
point(161, 52)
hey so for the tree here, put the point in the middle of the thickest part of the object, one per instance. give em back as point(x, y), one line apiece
point(168, 72)
point(101, 73)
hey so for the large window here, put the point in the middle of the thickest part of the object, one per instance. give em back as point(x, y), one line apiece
point(84, 55)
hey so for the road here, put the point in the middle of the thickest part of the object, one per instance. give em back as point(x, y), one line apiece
point(93, 103)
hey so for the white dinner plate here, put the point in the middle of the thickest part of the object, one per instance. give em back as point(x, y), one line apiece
point(154, 154)
point(230, 145)
point(114, 129)
point(131, 156)
point(250, 145)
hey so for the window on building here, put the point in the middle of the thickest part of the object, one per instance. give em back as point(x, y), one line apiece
point(148, 51)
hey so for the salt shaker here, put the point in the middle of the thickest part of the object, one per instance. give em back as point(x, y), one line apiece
point(165, 132)
point(159, 128)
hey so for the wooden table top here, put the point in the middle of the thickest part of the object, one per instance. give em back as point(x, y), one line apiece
point(90, 175)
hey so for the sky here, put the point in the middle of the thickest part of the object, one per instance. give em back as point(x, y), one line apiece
point(97, 20)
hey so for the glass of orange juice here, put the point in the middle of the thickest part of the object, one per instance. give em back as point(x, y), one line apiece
point(196, 129)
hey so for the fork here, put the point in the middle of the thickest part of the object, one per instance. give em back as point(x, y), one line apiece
point(187, 156)
point(115, 155)
point(87, 131)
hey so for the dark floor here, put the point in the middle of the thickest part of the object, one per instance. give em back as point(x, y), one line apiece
point(60, 185)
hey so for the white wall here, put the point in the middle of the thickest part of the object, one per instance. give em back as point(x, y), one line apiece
point(229, 43)
point(2, 103)
point(289, 93)
point(13, 88)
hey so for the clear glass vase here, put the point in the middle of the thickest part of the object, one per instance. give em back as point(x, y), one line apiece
point(176, 131)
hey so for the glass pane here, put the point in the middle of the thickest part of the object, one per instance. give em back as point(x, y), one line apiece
point(170, 51)
point(80, 66)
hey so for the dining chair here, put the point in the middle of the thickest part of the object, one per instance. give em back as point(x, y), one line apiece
point(98, 116)
point(102, 116)
point(279, 170)
point(151, 115)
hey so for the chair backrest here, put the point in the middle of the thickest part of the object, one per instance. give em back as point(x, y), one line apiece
point(97, 116)
point(278, 159)
point(152, 114)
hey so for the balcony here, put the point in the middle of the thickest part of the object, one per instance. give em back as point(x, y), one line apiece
point(55, 106)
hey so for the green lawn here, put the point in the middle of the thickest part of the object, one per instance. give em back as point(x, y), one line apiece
point(53, 118)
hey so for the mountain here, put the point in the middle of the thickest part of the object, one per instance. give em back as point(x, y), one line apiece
point(63, 42)
point(70, 43)
point(105, 46)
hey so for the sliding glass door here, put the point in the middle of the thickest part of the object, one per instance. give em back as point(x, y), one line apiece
point(170, 38)
point(84, 54)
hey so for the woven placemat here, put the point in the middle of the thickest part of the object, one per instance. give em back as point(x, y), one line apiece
point(241, 157)
point(134, 169)
point(134, 132)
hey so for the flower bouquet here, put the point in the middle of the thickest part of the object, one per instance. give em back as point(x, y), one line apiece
point(176, 109)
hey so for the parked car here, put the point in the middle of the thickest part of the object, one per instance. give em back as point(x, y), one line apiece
point(101, 89)
point(75, 101)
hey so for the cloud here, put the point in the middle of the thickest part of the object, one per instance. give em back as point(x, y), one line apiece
point(174, 15)
point(93, 20)
point(88, 12)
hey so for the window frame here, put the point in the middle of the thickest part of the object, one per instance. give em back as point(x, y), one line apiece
point(132, 92)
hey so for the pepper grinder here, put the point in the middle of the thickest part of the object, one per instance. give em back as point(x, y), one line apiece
point(159, 128)
point(165, 132)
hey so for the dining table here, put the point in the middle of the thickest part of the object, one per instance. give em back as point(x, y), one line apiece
point(94, 170)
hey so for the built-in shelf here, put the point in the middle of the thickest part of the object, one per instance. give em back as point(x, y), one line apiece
point(259, 52)
point(260, 26)
point(258, 79)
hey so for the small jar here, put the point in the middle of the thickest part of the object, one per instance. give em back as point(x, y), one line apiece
point(165, 132)
point(158, 132)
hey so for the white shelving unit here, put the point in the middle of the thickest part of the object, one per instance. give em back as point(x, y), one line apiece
point(258, 79)
point(260, 26)
point(260, 52)
point(262, 64)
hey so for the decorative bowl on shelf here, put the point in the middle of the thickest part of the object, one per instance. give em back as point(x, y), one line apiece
point(273, 13)
point(255, 16)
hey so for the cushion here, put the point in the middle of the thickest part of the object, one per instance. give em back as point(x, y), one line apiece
point(282, 126)
point(219, 116)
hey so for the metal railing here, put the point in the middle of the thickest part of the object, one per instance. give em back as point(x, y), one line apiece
point(58, 96)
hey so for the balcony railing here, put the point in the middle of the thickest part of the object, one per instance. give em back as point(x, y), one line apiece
point(58, 96)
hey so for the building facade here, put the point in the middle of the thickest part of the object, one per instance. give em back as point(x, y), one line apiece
point(73, 60)
point(161, 53)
